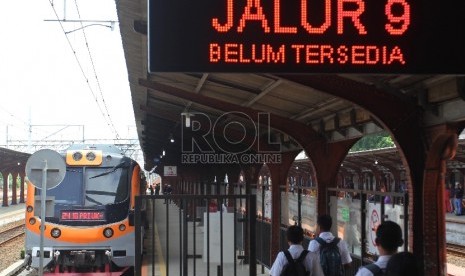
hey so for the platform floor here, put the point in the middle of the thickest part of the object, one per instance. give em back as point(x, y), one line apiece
point(454, 218)
point(12, 213)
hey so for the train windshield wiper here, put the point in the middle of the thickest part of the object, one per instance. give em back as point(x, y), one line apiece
point(112, 170)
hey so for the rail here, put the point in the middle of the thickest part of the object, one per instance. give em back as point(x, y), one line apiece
point(11, 233)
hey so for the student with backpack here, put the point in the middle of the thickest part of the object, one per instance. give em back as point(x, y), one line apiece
point(330, 252)
point(388, 239)
point(402, 264)
point(295, 261)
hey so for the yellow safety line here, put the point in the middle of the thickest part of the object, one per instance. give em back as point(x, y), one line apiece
point(160, 259)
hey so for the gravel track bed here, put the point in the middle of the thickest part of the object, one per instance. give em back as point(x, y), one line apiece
point(11, 251)
point(456, 259)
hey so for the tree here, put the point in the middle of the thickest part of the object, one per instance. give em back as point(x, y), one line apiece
point(373, 141)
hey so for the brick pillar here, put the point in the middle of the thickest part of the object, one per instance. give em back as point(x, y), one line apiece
point(327, 159)
point(14, 195)
point(5, 189)
point(278, 174)
point(21, 191)
point(442, 149)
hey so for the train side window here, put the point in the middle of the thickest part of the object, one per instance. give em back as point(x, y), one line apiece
point(122, 190)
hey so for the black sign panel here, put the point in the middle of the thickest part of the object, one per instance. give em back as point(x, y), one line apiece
point(307, 36)
point(82, 215)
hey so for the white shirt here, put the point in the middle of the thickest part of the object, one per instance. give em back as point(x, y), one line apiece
point(281, 261)
point(381, 262)
point(314, 247)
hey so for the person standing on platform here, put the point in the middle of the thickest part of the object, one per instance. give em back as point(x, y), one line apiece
point(157, 189)
point(151, 189)
point(458, 199)
point(168, 192)
point(447, 206)
point(402, 264)
point(388, 239)
point(212, 206)
point(452, 197)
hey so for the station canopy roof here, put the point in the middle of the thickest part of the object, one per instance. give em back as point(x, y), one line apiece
point(12, 161)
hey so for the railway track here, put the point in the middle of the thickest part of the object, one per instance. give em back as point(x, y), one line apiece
point(11, 233)
point(456, 255)
point(456, 249)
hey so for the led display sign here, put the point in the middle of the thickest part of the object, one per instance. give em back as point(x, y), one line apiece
point(307, 36)
point(82, 215)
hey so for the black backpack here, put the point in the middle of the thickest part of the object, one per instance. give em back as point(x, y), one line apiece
point(295, 267)
point(330, 257)
point(376, 270)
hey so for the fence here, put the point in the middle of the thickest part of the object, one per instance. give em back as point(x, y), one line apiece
point(197, 227)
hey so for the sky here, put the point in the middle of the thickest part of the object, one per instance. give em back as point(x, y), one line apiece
point(44, 84)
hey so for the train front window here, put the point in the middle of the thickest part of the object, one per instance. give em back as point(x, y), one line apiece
point(104, 188)
point(69, 191)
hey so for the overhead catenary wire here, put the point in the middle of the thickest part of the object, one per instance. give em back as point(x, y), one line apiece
point(106, 115)
point(95, 72)
point(12, 115)
point(25, 125)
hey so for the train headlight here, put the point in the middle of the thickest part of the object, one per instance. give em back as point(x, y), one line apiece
point(108, 232)
point(90, 156)
point(32, 221)
point(84, 157)
point(29, 209)
point(56, 233)
point(122, 227)
point(77, 156)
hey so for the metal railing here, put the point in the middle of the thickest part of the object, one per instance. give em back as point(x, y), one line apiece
point(192, 227)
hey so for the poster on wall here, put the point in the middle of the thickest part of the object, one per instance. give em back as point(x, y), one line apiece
point(373, 221)
point(170, 171)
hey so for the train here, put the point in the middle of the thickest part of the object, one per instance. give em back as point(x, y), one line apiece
point(89, 216)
